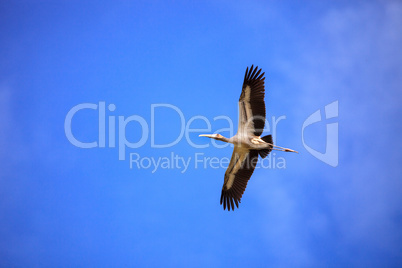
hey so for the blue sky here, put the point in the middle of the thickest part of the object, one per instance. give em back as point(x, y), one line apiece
point(61, 205)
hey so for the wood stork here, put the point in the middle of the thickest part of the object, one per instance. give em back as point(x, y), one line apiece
point(247, 142)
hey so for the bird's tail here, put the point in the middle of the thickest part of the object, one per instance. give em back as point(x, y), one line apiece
point(264, 152)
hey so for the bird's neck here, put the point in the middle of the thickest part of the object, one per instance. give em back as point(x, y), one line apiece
point(224, 139)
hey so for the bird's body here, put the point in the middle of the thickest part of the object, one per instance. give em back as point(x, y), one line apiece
point(248, 143)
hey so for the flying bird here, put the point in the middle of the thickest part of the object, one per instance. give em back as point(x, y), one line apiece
point(248, 143)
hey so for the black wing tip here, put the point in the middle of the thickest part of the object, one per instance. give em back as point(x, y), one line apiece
point(253, 73)
point(229, 201)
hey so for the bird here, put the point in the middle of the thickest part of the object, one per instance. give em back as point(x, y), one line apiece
point(248, 143)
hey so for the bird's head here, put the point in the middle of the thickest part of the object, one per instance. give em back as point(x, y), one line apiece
point(218, 137)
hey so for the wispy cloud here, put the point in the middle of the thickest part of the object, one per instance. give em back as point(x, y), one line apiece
point(354, 57)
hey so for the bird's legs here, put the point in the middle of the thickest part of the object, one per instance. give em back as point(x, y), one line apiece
point(279, 148)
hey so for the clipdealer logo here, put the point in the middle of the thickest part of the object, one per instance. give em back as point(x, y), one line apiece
point(331, 155)
point(111, 124)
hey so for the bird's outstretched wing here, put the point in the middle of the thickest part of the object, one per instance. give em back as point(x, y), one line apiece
point(251, 103)
point(241, 167)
